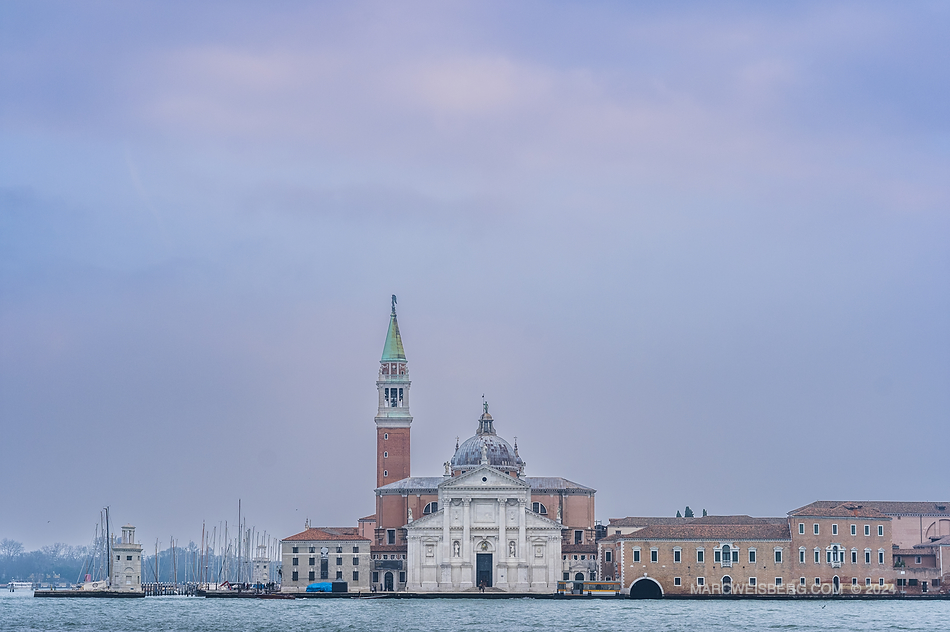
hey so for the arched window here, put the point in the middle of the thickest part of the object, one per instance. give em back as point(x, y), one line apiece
point(539, 508)
point(430, 508)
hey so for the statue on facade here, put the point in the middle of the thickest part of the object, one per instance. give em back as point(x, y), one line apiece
point(456, 548)
point(448, 468)
point(558, 513)
point(511, 548)
point(410, 515)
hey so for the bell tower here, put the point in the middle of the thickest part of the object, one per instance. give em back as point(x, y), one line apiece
point(393, 418)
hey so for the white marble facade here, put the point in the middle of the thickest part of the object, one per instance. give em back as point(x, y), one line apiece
point(484, 530)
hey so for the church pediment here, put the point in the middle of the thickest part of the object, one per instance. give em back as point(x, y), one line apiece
point(428, 521)
point(483, 478)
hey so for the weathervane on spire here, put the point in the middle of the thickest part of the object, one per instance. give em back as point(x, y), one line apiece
point(394, 303)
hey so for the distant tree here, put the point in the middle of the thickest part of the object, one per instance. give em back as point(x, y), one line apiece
point(688, 513)
point(10, 548)
point(704, 512)
point(678, 514)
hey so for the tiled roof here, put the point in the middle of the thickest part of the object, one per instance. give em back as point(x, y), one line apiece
point(913, 552)
point(537, 483)
point(579, 548)
point(370, 518)
point(645, 521)
point(730, 532)
point(326, 534)
point(743, 519)
point(890, 507)
point(554, 482)
point(827, 509)
point(416, 483)
point(944, 541)
point(388, 548)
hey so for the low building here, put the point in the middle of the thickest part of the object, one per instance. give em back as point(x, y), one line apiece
point(325, 554)
point(923, 569)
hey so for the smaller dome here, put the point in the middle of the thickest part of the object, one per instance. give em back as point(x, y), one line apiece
point(500, 454)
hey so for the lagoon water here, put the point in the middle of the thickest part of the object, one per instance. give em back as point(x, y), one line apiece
point(187, 614)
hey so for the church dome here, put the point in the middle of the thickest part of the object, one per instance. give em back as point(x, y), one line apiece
point(499, 453)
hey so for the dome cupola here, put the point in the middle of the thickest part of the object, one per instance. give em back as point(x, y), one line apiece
point(487, 448)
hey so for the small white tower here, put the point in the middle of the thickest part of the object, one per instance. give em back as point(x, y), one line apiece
point(261, 575)
point(127, 562)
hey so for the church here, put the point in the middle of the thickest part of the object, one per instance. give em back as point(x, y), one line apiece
point(482, 524)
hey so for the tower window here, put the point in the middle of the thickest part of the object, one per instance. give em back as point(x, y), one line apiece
point(385, 473)
point(385, 455)
point(385, 436)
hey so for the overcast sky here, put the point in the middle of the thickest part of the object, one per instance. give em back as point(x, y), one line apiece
point(691, 253)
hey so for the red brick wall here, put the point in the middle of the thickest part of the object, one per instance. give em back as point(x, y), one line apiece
point(396, 465)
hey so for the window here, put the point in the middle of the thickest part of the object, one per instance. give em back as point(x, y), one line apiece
point(778, 556)
point(867, 529)
point(801, 555)
point(385, 473)
point(295, 577)
point(313, 561)
point(700, 581)
point(356, 561)
point(324, 568)
point(294, 561)
point(636, 554)
point(867, 581)
point(654, 555)
point(817, 556)
point(385, 436)
point(677, 555)
point(312, 550)
point(375, 577)
point(356, 576)
point(801, 528)
point(294, 550)
point(818, 581)
point(608, 556)
point(390, 536)
point(402, 577)
point(834, 529)
point(677, 581)
point(339, 549)
point(854, 556)
point(339, 574)
point(128, 557)
point(583, 557)
point(801, 581)
point(880, 529)
point(752, 581)
point(578, 537)
point(751, 556)
point(917, 560)
point(430, 508)
point(816, 528)
point(385, 455)
point(854, 529)
point(867, 556)
point(700, 556)
point(539, 508)
point(356, 549)
point(567, 577)
point(880, 582)
point(854, 581)
point(880, 556)
point(311, 575)
point(778, 581)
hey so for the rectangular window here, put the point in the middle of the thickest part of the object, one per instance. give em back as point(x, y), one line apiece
point(356, 561)
point(677, 581)
point(375, 577)
point(818, 581)
point(801, 556)
point(128, 557)
point(339, 574)
point(608, 556)
point(324, 569)
point(654, 554)
point(356, 576)
point(717, 556)
point(294, 561)
point(752, 581)
point(880, 529)
point(828, 557)
point(867, 557)
point(751, 556)
point(700, 581)
point(917, 560)
point(356, 549)
point(339, 561)
point(834, 529)
point(294, 550)
point(390, 536)
point(339, 549)
point(801, 528)
point(700, 556)
point(778, 556)
point(567, 576)
point(817, 556)
point(867, 581)
point(880, 582)
point(313, 561)
point(854, 557)
point(312, 550)
point(402, 577)
point(295, 577)
point(311, 575)
point(854, 529)
point(816, 528)
point(778, 581)
point(735, 556)
point(880, 557)
point(801, 581)
point(578, 537)
point(676, 556)
point(636, 555)
point(867, 529)
point(854, 581)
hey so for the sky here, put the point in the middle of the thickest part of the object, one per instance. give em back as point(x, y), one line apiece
point(691, 253)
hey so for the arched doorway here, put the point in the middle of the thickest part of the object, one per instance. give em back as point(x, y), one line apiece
point(837, 583)
point(727, 585)
point(388, 581)
point(579, 577)
point(646, 588)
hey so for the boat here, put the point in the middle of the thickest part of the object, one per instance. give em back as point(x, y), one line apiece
point(20, 586)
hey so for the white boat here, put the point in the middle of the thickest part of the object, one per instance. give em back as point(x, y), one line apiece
point(20, 586)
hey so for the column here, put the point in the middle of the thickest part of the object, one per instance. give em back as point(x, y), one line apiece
point(466, 530)
point(502, 561)
point(522, 530)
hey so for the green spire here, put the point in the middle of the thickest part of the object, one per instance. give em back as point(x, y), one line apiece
point(393, 350)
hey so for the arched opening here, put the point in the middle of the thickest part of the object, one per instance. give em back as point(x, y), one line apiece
point(837, 583)
point(430, 508)
point(579, 577)
point(388, 582)
point(646, 588)
point(539, 508)
point(727, 585)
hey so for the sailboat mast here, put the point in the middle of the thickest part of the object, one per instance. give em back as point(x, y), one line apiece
point(108, 549)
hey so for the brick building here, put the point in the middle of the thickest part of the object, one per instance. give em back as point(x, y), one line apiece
point(325, 554)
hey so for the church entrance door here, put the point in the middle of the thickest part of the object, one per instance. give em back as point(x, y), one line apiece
point(483, 569)
point(388, 582)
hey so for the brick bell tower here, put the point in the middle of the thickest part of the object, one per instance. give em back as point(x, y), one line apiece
point(393, 419)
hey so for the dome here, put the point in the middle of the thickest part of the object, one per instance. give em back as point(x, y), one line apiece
point(499, 452)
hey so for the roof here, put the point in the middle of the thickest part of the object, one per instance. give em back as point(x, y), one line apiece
point(833, 509)
point(430, 484)
point(393, 350)
point(740, 519)
point(944, 541)
point(645, 521)
point(725, 532)
point(370, 518)
point(579, 548)
point(913, 552)
point(326, 534)
point(386, 548)
point(891, 507)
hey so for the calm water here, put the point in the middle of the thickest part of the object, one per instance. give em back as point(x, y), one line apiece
point(232, 615)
